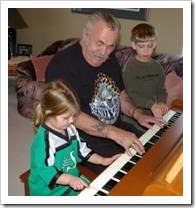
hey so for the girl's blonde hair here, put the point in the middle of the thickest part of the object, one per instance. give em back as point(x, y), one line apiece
point(57, 98)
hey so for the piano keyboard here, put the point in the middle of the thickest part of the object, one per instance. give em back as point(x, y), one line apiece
point(112, 175)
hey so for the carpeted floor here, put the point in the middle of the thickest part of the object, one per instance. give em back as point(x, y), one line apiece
point(19, 138)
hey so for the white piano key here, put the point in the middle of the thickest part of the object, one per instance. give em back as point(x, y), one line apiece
point(108, 173)
point(151, 132)
point(89, 191)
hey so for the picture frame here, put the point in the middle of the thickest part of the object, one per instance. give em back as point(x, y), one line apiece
point(126, 13)
point(24, 49)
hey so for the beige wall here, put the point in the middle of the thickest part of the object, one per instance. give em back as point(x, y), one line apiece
point(48, 25)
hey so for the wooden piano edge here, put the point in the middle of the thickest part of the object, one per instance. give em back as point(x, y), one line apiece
point(177, 103)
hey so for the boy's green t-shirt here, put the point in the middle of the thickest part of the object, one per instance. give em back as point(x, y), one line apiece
point(145, 83)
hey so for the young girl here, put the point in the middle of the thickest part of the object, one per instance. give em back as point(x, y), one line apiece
point(57, 147)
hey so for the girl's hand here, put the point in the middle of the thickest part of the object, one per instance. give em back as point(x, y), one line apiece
point(73, 181)
point(108, 160)
point(77, 183)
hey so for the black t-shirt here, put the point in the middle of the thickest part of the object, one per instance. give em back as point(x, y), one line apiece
point(98, 88)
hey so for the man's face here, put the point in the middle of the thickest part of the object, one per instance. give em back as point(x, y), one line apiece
point(99, 44)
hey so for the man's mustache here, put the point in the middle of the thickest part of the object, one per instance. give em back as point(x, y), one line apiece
point(99, 55)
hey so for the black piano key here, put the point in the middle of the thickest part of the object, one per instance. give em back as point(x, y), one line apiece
point(138, 155)
point(150, 142)
point(127, 166)
point(135, 158)
point(159, 134)
point(174, 118)
point(147, 146)
point(100, 193)
point(119, 175)
point(168, 126)
point(164, 129)
point(109, 185)
point(171, 122)
point(178, 114)
point(154, 139)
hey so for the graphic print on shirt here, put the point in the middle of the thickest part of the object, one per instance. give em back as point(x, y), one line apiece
point(147, 77)
point(105, 104)
point(69, 162)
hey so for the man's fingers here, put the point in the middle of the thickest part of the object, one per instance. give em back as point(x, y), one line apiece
point(137, 147)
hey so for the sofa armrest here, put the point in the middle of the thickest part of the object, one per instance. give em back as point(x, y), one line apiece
point(28, 92)
point(27, 88)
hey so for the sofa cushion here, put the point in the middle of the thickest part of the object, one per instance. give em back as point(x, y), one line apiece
point(174, 86)
point(40, 64)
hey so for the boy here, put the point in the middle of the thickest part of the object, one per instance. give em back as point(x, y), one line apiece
point(143, 77)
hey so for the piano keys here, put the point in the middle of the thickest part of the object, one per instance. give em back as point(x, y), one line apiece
point(129, 175)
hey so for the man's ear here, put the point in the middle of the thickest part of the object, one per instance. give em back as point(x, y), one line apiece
point(85, 36)
point(133, 45)
point(84, 33)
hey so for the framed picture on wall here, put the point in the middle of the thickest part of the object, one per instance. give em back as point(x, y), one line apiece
point(127, 13)
point(24, 49)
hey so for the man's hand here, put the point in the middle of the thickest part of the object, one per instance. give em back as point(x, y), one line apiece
point(148, 121)
point(126, 139)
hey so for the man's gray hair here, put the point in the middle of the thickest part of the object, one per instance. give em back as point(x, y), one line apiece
point(109, 19)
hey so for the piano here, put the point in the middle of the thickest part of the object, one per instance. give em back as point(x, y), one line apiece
point(158, 172)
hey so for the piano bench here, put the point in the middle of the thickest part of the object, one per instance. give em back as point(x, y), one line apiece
point(24, 179)
point(86, 172)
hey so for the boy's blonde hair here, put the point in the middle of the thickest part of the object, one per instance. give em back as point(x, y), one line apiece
point(143, 32)
point(57, 98)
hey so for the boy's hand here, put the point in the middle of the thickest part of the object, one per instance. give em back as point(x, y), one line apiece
point(159, 109)
point(148, 121)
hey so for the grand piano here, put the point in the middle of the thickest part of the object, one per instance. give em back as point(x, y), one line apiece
point(159, 172)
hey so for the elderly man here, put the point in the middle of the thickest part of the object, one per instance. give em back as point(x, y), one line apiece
point(92, 70)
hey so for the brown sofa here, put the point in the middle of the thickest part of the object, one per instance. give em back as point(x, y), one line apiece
point(28, 88)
